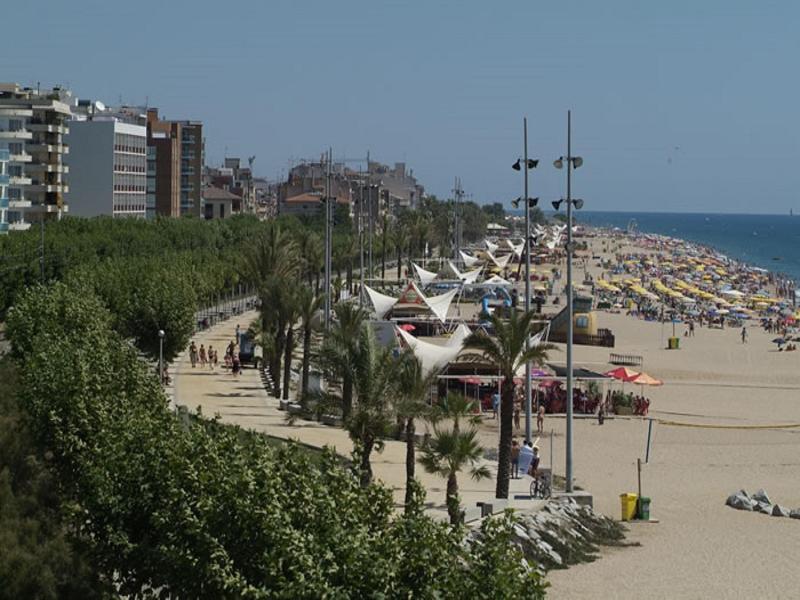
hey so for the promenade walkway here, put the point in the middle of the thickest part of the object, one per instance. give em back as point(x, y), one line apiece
point(244, 401)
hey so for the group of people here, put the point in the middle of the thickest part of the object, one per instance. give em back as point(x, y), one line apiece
point(519, 399)
point(210, 357)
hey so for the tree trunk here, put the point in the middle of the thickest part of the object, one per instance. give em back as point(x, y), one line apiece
point(306, 357)
point(350, 277)
point(383, 255)
point(287, 362)
point(347, 397)
point(316, 284)
point(399, 262)
point(411, 460)
point(366, 466)
point(276, 369)
point(506, 432)
point(453, 503)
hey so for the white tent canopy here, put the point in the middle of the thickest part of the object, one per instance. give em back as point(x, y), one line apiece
point(435, 356)
point(468, 276)
point(469, 261)
point(380, 302)
point(492, 247)
point(496, 280)
point(425, 277)
point(501, 262)
point(516, 249)
point(438, 305)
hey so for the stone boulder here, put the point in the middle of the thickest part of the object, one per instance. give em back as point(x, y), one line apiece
point(795, 513)
point(761, 496)
point(779, 511)
point(740, 501)
point(763, 507)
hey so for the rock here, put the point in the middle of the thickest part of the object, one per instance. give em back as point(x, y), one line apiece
point(779, 511)
point(761, 496)
point(795, 513)
point(739, 501)
point(762, 507)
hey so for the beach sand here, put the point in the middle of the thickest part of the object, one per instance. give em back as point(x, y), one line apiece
point(700, 548)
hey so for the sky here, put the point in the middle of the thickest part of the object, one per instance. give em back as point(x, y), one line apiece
point(676, 106)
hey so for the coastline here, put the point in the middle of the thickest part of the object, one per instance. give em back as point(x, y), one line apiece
point(716, 431)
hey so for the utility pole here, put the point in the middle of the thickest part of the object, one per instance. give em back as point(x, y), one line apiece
point(328, 236)
point(527, 277)
point(41, 251)
point(569, 475)
point(457, 195)
point(371, 218)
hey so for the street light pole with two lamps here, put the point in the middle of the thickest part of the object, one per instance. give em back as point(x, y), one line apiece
point(573, 162)
point(525, 164)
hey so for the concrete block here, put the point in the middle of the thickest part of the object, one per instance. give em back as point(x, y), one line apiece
point(581, 497)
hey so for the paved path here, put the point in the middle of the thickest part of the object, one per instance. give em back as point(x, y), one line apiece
point(243, 401)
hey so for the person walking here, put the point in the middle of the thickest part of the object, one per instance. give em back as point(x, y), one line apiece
point(495, 403)
point(193, 354)
point(514, 459)
point(540, 419)
point(203, 357)
point(211, 357)
point(744, 335)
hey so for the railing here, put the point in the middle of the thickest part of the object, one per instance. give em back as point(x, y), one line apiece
point(628, 360)
point(603, 338)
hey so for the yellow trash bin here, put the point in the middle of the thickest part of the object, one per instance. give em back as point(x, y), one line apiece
point(628, 502)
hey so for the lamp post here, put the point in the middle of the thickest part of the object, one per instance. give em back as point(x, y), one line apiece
point(573, 162)
point(518, 166)
point(328, 239)
point(161, 334)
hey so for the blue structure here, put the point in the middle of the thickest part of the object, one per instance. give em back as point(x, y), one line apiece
point(4, 158)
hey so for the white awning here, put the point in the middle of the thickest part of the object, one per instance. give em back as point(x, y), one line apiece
point(440, 304)
point(380, 302)
point(496, 280)
point(425, 277)
point(435, 356)
point(469, 261)
point(468, 276)
point(501, 262)
point(492, 247)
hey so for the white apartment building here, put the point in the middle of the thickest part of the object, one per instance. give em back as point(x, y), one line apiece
point(4, 191)
point(33, 126)
point(108, 163)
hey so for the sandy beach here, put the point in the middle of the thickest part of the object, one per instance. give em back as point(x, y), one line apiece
point(726, 394)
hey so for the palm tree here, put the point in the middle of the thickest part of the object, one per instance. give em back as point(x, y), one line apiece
point(506, 350)
point(290, 314)
point(401, 239)
point(384, 239)
point(451, 450)
point(412, 403)
point(339, 348)
point(307, 306)
point(375, 378)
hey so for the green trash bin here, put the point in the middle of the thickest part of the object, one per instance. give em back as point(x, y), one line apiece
point(643, 512)
point(673, 343)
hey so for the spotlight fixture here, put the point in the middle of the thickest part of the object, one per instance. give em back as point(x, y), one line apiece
point(557, 204)
point(515, 203)
point(533, 202)
point(577, 161)
point(578, 203)
point(516, 166)
point(559, 163)
point(532, 164)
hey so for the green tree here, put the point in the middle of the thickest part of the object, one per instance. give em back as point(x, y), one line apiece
point(450, 450)
point(400, 238)
point(506, 350)
point(308, 305)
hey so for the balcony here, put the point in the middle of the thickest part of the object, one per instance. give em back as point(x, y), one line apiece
point(47, 128)
point(54, 148)
point(47, 168)
point(4, 179)
point(49, 187)
point(15, 111)
point(18, 204)
point(22, 157)
point(16, 134)
point(19, 180)
point(19, 226)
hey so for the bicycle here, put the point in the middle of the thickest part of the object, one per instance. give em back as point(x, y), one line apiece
point(541, 486)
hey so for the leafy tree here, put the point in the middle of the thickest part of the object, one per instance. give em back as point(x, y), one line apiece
point(494, 211)
point(507, 352)
point(401, 239)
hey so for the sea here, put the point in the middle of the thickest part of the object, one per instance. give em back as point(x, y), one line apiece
point(768, 241)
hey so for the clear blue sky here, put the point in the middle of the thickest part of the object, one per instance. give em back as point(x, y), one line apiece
point(679, 105)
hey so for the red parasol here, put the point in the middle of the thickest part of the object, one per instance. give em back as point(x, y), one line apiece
point(622, 374)
point(407, 327)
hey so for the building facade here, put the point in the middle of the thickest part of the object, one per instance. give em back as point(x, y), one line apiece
point(33, 130)
point(4, 157)
point(176, 165)
point(108, 163)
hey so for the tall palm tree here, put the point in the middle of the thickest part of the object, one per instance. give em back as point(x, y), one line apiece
point(384, 239)
point(375, 378)
point(310, 249)
point(307, 306)
point(401, 239)
point(451, 450)
point(339, 348)
point(506, 351)
point(412, 403)
point(290, 314)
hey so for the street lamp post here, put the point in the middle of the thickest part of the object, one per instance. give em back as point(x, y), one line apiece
point(328, 239)
point(161, 334)
point(528, 165)
point(573, 162)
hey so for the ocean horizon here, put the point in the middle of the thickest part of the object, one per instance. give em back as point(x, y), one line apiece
point(768, 241)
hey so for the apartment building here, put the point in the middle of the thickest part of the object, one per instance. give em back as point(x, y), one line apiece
point(33, 128)
point(108, 161)
point(4, 157)
point(176, 169)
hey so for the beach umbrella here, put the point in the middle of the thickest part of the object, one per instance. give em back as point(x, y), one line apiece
point(407, 327)
point(622, 374)
point(645, 379)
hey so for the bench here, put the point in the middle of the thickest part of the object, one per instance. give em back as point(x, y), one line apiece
point(628, 360)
